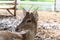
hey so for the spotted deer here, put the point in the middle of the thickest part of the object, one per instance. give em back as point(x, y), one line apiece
point(29, 22)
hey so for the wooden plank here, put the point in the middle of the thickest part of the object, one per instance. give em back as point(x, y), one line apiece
point(6, 7)
point(9, 11)
point(9, 6)
point(6, 2)
point(15, 8)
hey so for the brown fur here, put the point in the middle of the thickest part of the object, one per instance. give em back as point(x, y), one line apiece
point(29, 22)
point(6, 35)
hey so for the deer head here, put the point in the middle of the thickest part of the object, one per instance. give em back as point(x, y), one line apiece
point(29, 21)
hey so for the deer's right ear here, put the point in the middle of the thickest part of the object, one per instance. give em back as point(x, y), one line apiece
point(24, 12)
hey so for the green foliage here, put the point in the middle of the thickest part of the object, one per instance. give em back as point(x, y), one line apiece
point(33, 0)
point(6, 0)
point(40, 0)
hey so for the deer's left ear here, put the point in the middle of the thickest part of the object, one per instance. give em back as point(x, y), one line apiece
point(35, 15)
point(24, 12)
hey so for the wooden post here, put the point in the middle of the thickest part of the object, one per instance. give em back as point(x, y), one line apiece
point(15, 8)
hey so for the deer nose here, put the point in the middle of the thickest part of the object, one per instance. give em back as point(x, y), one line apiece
point(16, 29)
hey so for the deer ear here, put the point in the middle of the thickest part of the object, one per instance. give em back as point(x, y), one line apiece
point(35, 15)
point(24, 12)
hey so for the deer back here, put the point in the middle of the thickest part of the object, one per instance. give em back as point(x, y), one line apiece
point(7, 35)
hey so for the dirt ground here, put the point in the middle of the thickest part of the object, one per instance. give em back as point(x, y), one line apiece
point(49, 17)
point(44, 16)
point(4, 12)
point(46, 34)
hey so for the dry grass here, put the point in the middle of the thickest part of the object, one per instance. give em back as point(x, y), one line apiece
point(19, 13)
point(50, 33)
point(44, 16)
point(49, 17)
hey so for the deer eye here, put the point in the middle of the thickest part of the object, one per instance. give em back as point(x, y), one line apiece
point(28, 20)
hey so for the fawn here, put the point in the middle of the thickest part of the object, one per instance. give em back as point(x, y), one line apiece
point(29, 22)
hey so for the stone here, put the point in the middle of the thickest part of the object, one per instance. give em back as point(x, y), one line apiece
point(9, 23)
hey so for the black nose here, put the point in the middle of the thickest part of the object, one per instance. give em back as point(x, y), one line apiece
point(5, 28)
point(16, 29)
